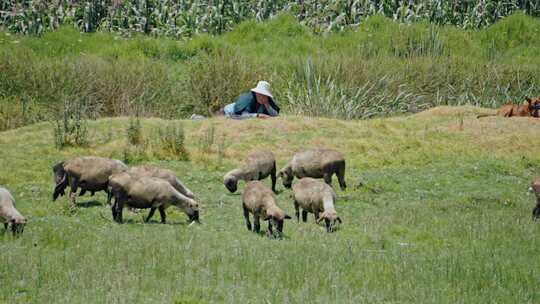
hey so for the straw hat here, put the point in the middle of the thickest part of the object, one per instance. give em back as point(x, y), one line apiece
point(263, 87)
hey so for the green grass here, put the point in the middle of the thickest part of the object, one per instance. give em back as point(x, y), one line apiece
point(379, 68)
point(447, 219)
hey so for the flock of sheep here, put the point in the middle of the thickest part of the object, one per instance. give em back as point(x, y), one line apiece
point(151, 187)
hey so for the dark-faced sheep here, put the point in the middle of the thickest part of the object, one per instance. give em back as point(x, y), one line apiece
point(9, 215)
point(260, 201)
point(315, 163)
point(536, 189)
point(145, 192)
point(258, 165)
point(89, 173)
point(314, 196)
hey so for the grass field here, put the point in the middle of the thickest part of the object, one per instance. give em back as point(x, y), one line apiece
point(437, 211)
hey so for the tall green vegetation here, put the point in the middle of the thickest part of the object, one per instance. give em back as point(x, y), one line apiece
point(381, 67)
point(185, 18)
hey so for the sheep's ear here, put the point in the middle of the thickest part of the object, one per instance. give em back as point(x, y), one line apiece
point(339, 220)
point(267, 217)
point(280, 174)
point(528, 99)
point(287, 217)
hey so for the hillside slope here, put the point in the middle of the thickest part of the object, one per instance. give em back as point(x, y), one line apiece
point(437, 210)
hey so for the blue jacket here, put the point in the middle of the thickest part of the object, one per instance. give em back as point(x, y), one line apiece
point(247, 102)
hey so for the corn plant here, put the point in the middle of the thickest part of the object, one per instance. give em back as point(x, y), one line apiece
point(188, 17)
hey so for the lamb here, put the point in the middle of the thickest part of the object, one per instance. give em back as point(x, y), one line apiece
point(166, 174)
point(89, 173)
point(10, 215)
point(261, 202)
point(535, 186)
point(257, 166)
point(144, 192)
point(316, 197)
point(316, 163)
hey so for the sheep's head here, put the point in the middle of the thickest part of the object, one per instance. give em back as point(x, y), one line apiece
point(535, 187)
point(275, 216)
point(330, 219)
point(17, 225)
point(60, 179)
point(286, 176)
point(534, 105)
point(231, 180)
point(192, 210)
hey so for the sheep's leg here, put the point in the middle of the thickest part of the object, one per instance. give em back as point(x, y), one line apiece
point(297, 208)
point(162, 214)
point(109, 197)
point(257, 224)
point(117, 209)
point(152, 211)
point(246, 216)
point(83, 191)
point(536, 213)
point(270, 231)
point(304, 216)
point(341, 177)
point(6, 226)
point(73, 183)
point(274, 178)
point(328, 178)
point(316, 216)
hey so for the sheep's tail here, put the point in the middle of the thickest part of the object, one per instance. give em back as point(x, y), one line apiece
point(60, 188)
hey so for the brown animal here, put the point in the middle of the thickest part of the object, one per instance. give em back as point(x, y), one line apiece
point(8, 213)
point(257, 166)
point(144, 192)
point(261, 202)
point(527, 109)
point(535, 186)
point(88, 173)
point(316, 163)
point(313, 195)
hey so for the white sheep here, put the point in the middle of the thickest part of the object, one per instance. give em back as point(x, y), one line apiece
point(316, 197)
point(257, 166)
point(9, 214)
point(260, 201)
point(316, 163)
point(89, 173)
point(144, 192)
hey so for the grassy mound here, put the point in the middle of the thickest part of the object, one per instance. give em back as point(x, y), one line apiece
point(437, 210)
point(380, 68)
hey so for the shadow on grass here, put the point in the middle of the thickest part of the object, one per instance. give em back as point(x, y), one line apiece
point(90, 204)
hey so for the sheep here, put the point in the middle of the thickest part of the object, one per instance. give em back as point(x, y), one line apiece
point(10, 215)
point(535, 187)
point(89, 173)
point(257, 166)
point(316, 163)
point(144, 192)
point(166, 174)
point(318, 198)
point(261, 202)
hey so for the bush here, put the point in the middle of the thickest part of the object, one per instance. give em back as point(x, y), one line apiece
point(170, 142)
point(70, 125)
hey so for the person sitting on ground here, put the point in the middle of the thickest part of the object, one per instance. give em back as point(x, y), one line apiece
point(259, 102)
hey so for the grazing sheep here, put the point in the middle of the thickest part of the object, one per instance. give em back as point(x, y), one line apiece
point(536, 188)
point(166, 174)
point(257, 166)
point(8, 213)
point(316, 163)
point(261, 202)
point(315, 196)
point(144, 192)
point(88, 173)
